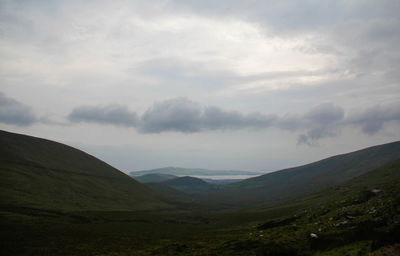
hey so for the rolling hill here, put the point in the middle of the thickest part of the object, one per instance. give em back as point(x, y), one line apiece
point(109, 213)
point(154, 178)
point(295, 182)
point(177, 171)
point(43, 174)
point(190, 185)
point(353, 218)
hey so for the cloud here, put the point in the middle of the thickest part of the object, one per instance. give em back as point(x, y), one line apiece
point(15, 113)
point(326, 120)
point(183, 115)
point(372, 119)
point(112, 114)
point(319, 122)
point(179, 115)
point(288, 16)
point(172, 115)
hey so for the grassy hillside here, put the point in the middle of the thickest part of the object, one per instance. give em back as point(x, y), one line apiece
point(154, 177)
point(354, 218)
point(302, 180)
point(191, 172)
point(43, 174)
point(170, 191)
point(348, 219)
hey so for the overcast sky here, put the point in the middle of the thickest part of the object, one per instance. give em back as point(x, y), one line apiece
point(250, 85)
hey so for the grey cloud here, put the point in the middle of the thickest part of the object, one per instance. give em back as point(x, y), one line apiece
point(175, 73)
point(183, 115)
point(216, 118)
point(319, 122)
point(172, 115)
point(325, 114)
point(15, 113)
point(327, 120)
point(291, 122)
point(372, 119)
point(284, 16)
point(381, 54)
point(180, 115)
point(112, 114)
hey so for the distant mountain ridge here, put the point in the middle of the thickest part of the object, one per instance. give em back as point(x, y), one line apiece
point(178, 171)
point(154, 178)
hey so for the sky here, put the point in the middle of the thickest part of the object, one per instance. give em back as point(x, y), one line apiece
point(246, 85)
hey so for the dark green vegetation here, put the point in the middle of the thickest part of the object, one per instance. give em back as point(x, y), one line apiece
point(170, 191)
point(224, 181)
point(294, 182)
point(42, 174)
point(154, 177)
point(352, 218)
point(191, 185)
point(191, 172)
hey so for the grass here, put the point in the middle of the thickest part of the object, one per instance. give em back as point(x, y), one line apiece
point(42, 174)
point(347, 219)
point(52, 205)
point(294, 182)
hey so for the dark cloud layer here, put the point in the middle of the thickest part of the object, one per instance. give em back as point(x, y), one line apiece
point(372, 119)
point(186, 116)
point(112, 114)
point(321, 121)
point(289, 15)
point(183, 115)
point(179, 115)
point(14, 112)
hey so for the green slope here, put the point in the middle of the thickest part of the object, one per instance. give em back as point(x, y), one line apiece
point(170, 191)
point(43, 174)
point(302, 180)
point(154, 177)
point(348, 219)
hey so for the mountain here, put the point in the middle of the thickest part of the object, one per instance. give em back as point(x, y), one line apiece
point(354, 218)
point(191, 172)
point(223, 181)
point(383, 179)
point(191, 185)
point(157, 178)
point(302, 180)
point(357, 217)
point(39, 173)
point(154, 178)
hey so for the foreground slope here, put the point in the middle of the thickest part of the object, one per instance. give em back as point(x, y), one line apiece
point(349, 219)
point(43, 174)
point(355, 218)
point(302, 180)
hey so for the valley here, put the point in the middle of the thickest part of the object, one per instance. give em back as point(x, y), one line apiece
point(56, 200)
